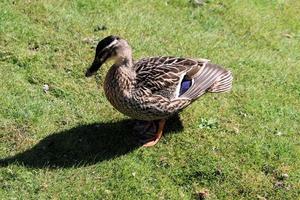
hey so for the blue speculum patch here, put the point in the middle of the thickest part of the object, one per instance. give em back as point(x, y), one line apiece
point(185, 85)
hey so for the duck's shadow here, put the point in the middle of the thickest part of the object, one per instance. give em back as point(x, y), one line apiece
point(84, 145)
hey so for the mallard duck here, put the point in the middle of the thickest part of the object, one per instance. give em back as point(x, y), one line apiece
point(155, 88)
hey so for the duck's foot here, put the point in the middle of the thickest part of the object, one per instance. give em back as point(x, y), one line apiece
point(149, 132)
point(153, 141)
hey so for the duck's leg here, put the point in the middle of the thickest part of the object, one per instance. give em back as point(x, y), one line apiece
point(144, 129)
point(156, 138)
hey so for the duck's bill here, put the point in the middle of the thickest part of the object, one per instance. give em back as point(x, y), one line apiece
point(88, 73)
point(93, 69)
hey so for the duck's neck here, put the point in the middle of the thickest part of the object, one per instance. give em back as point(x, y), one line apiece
point(126, 62)
point(124, 57)
point(120, 78)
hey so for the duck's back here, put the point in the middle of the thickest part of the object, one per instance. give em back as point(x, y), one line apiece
point(163, 75)
point(173, 77)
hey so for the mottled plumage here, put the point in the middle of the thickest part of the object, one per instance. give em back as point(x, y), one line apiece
point(156, 87)
point(150, 88)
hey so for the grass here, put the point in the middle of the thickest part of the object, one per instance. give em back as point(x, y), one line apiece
point(69, 143)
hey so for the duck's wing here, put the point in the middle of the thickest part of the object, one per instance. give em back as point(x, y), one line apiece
point(212, 78)
point(176, 78)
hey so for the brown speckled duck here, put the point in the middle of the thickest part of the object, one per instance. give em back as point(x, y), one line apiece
point(155, 88)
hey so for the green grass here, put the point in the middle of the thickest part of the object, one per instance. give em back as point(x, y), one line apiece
point(70, 143)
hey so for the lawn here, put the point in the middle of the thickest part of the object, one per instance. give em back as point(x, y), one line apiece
point(70, 143)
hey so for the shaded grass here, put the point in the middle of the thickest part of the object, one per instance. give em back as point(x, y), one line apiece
point(254, 142)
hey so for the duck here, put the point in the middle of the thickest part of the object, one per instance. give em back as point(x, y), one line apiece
point(155, 88)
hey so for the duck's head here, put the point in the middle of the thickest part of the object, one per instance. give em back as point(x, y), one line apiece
point(110, 48)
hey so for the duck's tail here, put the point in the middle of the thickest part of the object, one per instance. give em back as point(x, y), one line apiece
point(212, 78)
point(223, 83)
